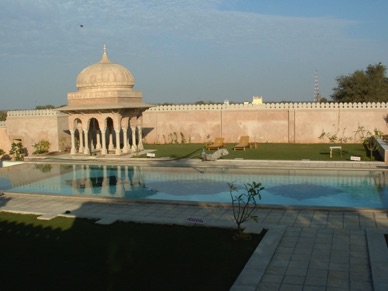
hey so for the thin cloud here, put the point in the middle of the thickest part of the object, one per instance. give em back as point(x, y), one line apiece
point(39, 22)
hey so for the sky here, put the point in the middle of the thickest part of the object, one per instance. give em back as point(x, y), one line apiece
point(185, 51)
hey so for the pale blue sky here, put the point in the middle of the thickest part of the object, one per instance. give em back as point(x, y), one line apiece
point(183, 51)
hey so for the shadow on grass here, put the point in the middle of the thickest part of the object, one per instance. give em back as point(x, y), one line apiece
point(77, 254)
point(4, 200)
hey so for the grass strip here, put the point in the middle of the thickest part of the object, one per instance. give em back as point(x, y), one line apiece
point(268, 151)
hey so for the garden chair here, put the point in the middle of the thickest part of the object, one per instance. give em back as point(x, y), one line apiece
point(216, 145)
point(243, 143)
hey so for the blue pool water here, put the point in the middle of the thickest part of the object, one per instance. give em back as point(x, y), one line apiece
point(360, 189)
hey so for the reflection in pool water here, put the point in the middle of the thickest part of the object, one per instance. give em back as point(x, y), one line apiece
point(364, 189)
point(304, 191)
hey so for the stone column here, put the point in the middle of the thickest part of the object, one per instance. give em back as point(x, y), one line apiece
point(118, 150)
point(98, 140)
point(103, 135)
point(91, 135)
point(73, 150)
point(81, 140)
point(86, 148)
point(134, 145)
point(140, 146)
point(110, 146)
point(125, 140)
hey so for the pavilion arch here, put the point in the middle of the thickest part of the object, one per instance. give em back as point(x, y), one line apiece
point(76, 132)
point(94, 134)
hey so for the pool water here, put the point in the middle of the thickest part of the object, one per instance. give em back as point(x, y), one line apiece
point(355, 189)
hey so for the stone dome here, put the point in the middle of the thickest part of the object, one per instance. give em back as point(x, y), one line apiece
point(105, 75)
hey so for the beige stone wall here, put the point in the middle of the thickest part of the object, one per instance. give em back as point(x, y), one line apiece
point(32, 126)
point(274, 123)
point(309, 124)
point(5, 143)
point(163, 127)
point(63, 142)
point(260, 125)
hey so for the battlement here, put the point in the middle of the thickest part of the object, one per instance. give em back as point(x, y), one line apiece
point(266, 106)
point(30, 113)
point(225, 106)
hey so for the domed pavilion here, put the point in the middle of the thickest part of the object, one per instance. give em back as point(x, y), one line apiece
point(105, 114)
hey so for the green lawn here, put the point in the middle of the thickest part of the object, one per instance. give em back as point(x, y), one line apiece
point(267, 151)
point(77, 254)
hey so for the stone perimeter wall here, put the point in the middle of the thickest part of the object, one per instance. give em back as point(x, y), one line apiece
point(268, 122)
point(32, 126)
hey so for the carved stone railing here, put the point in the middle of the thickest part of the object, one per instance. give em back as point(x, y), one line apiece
point(2, 124)
point(298, 105)
point(43, 112)
point(191, 107)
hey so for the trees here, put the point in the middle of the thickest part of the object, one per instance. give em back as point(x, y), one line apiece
point(206, 102)
point(362, 86)
point(48, 106)
point(17, 151)
point(3, 115)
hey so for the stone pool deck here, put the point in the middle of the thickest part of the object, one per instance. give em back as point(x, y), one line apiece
point(304, 249)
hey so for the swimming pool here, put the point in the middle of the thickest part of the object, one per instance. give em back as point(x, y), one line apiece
point(355, 189)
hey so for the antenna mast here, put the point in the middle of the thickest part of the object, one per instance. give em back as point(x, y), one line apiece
point(317, 96)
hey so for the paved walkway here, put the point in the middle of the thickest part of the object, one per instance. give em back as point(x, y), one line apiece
point(304, 249)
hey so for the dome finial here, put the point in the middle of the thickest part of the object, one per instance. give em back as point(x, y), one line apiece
point(104, 59)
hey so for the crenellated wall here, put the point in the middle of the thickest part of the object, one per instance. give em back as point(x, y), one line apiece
point(296, 105)
point(34, 113)
point(267, 122)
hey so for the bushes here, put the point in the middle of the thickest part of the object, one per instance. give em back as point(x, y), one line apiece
point(17, 151)
point(41, 147)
